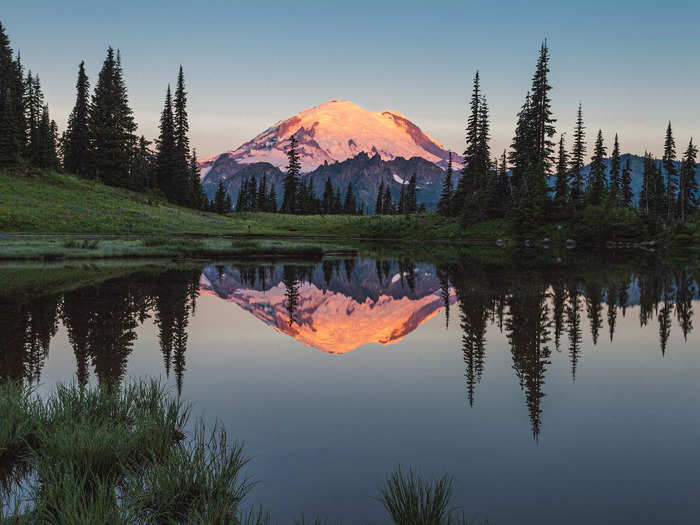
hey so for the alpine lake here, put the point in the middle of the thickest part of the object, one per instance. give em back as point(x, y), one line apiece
point(555, 386)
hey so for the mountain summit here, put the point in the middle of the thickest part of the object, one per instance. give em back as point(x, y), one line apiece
point(336, 131)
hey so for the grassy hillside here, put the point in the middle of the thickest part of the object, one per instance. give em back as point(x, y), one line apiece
point(33, 201)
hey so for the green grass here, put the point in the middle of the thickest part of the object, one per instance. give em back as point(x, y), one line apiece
point(100, 456)
point(50, 249)
point(41, 202)
point(34, 201)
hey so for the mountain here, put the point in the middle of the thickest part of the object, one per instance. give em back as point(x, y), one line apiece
point(345, 142)
point(337, 311)
point(336, 131)
point(636, 168)
point(364, 172)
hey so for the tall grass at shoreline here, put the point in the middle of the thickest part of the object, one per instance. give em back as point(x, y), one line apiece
point(122, 456)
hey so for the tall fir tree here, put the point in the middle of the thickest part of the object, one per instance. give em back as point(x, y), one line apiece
point(468, 181)
point(688, 186)
point(262, 194)
point(401, 208)
point(44, 148)
point(578, 158)
point(541, 114)
point(34, 108)
point(77, 146)
point(198, 199)
point(142, 170)
point(519, 148)
point(291, 181)
point(647, 190)
point(561, 186)
point(597, 176)
point(412, 195)
point(272, 200)
point(166, 164)
point(388, 206)
point(626, 194)
point(669, 166)
point(183, 191)
point(615, 188)
point(445, 202)
point(327, 199)
point(12, 104)
point(537, 148)
point(350, 205)
point(242, 200)
point(378, 205)
point(111, 125)
point(9, 149)
point(220, 199)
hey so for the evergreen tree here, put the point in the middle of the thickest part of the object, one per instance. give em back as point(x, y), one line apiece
point(561, 186)
point(77, 146)
point(328, 196)
point(166, 152)
point(272, 200)
point(401, 208)
point(388, 206)
point(34, 108)
point(291, 182)
point(242, 200)
point(541, 113)
point(519, 154)
point(337, 203)
point(659, 190)
point(578, 156)
point(10, 149)
point(252, 197)
point(614, 195)
point(626, 185)
point(380, 199)
point(687, 191)
point(12, 117)
point(262, 194)
point(597, 177)
point(646, 194)
point(181, 124)
point(198, 199)
point(349, 206)
point(220, 199)
point(412, 195)
point(669, 165)
point(444, 205)
point(143, 165)
point(468, 181)
point(111, 125)
point(182, 193)
point(504, 186)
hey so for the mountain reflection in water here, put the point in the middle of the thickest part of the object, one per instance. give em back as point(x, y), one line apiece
point(339, 305)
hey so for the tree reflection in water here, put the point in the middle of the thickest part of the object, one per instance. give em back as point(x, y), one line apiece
point(538, 309)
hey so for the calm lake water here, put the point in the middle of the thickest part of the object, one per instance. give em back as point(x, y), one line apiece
point(555, 391)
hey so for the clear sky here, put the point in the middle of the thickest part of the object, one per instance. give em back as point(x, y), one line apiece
point(633, 64)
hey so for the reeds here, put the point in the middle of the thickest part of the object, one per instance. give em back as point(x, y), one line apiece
point(100, 456)
point(96, 455)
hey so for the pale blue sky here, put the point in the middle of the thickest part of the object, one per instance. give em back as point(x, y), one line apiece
point(633, 64)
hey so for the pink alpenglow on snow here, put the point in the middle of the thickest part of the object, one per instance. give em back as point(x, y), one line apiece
point(338, 130)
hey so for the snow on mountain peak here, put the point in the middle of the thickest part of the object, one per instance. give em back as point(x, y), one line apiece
point(338, 130)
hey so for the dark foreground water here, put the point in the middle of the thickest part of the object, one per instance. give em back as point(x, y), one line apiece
point(554, 392)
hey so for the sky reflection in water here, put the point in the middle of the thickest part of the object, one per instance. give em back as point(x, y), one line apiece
point(550, 395)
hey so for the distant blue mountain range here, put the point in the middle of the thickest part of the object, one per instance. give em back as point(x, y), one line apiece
point(637, 167)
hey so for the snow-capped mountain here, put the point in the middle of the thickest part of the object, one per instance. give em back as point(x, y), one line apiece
point(336, 131)
point(337, 311)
